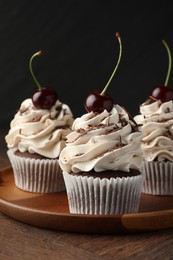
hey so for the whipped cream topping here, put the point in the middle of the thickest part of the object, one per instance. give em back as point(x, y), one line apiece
point(105, 141)
point(40, 131)
point(156, 122)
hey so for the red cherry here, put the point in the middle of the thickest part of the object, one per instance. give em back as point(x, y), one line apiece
point(97, 103)
point(162, 93)
point(44, 98)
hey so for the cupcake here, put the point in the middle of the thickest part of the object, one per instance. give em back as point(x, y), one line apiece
point(102, 159)
point(101, 164)
point(156, 120)
point(36, 137)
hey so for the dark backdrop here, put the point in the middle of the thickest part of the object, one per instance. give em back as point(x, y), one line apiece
point(80, 49)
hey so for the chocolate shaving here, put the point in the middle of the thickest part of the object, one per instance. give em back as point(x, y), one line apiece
point(81, 131)
point(62, 127)
point(119, 145)
point(134, 125)
point(112, 130)
point(168, 134)
point(35, 119)
point(58, 108)
point(51, 137)
point(167, 110)
point(123, 121)
point(78, 154)
point(91, 127)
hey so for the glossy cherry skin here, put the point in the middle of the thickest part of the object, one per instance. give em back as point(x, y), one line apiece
point(97, 103)
point(44, 98)
point(162, 93)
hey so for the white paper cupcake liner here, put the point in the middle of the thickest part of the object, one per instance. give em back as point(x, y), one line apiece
point(88, 195)
point(158, 178)
point(37, 175)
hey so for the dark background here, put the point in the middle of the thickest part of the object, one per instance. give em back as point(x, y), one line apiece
point(81, 50)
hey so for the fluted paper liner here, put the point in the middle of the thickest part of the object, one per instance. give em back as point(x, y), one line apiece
point(37, 175)
point(158, 178)
point(88, 195)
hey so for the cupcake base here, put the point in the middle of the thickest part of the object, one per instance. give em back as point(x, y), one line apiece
point(158, 178)
point(36, 175)
point(106, 196)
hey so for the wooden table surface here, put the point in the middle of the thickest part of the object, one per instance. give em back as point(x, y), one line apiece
point(21, 241)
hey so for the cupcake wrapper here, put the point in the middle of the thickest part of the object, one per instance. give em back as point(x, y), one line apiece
point(88, 195)
point(35, 175)
point(158, 178)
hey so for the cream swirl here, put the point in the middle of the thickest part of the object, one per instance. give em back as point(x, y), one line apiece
point(105, 141)
point(40, 131)
point(156, 122)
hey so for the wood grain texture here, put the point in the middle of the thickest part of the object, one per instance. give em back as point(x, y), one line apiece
point(21, 241)
point(51, 211)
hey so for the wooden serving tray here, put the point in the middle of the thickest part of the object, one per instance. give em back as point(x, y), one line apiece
point(51, 211)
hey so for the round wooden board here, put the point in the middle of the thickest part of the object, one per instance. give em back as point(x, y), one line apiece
point(51, 211)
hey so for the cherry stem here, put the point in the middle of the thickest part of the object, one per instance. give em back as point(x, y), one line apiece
point(31, 70)
point(170, 62)
point(116, 67)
